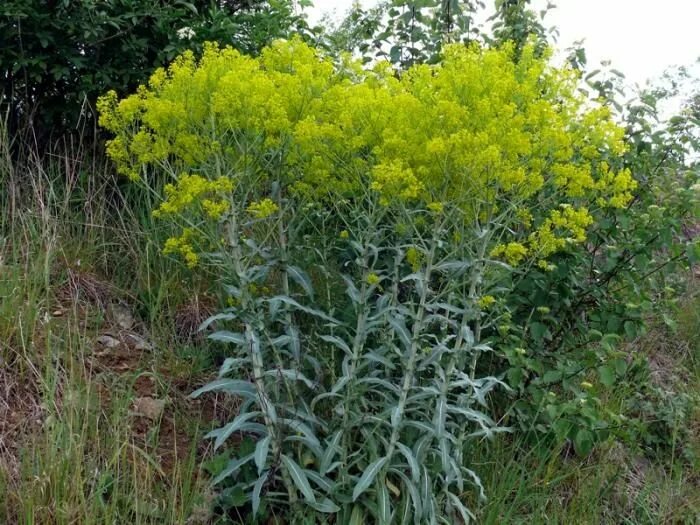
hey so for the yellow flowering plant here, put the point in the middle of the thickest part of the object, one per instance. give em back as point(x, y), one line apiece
point(390, 223)
point(478, 129)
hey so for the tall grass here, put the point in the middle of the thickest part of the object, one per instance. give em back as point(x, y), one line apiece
point(70, 449)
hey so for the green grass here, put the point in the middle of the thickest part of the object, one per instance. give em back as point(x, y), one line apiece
point(72, 448)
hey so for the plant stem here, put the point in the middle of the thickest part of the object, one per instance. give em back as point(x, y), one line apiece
point(413, 349)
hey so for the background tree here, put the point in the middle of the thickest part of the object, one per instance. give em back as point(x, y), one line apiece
point(57, 56)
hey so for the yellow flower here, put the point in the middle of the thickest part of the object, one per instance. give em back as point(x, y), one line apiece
point(513, 252)
point(414, 258)
point(183, 246)
point(262, 209)
point(586, 385)
point(436, 207)
point(478, 131)
point(189, 190)
point(373, 279)
point(486, 301)
point(215, 209)
point(344, 234)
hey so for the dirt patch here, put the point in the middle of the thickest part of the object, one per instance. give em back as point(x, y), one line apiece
point(190, 316)
point(21, 414)
point(164, 420)
point(85, 289)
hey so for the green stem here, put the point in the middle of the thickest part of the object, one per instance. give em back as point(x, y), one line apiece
point(255, 355)
point(413, 350)
point(357, 345)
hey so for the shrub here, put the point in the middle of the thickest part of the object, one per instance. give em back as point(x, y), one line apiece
point(56, 57)
point(385, 245)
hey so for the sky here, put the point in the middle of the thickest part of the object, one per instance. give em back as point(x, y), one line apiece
point(641, 38)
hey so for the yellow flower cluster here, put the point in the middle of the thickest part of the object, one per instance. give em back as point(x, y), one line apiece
point(563, 226)
point(373, 279)
point(188, 192)
point(262, 209)
point(512, 252)
point(479, 131)
point(615, 187)
point(486, 301)
point(183, 246)
point(436, 207)
point(414, 258)
point(394, 180)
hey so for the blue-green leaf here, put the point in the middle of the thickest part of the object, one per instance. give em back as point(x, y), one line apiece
point(223, 433)
point(232, 468)
point(301, 278)
point(368, 477)
point(325, 506)
point(236, 387)
point(261, 450)
point(299, 478)
point(228, 337)
point(257, 489)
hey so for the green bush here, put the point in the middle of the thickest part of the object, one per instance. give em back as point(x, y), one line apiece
point(57, 56)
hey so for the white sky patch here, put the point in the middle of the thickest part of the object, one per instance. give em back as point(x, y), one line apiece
point(641, 38)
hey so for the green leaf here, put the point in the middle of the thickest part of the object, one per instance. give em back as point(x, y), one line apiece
point(223, 433)
point(337, 341)
point(552, 376)
point(412, 461)
point(620, 366)
point(368, 477)
point(322, 482)
point(300, 277)
point(630, 329)
point(515, 376)
point(235, 496)
point(228, 337)
point(465, 513)
point(236, 387)
point(232, 468)
point(383, 503)
point(293, 375)
point(325, 506)
point(261, 450)
point(609, 341)
point(595, 335)
point(330, 452)
point(291, 302)
point(358, 516)
point(413, 492)
point(257, 489)
point(607, 375)
point(299, 478)
point(538, 330)
point(399, 326)
point(583, 442)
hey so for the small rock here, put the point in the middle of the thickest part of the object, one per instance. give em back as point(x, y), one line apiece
point(137, 342)
point(122, 316)
point(108, 341)
point(149, 408)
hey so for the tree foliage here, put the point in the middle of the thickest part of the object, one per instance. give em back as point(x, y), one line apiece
point(57, 56)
